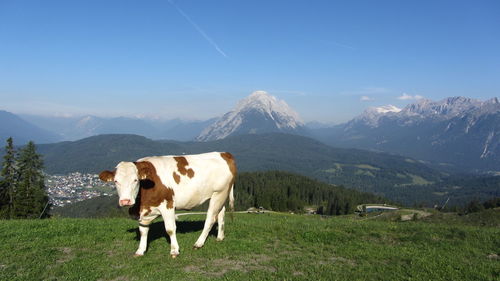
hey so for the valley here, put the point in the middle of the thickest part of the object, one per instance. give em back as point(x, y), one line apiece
point(271, 190)
point(261, 152)
point(397, 178)
point(75, 187)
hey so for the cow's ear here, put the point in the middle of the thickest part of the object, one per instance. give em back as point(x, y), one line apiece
point(107, 176)
point(144, 170)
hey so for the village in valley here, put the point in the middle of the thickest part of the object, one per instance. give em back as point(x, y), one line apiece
point(75, 187)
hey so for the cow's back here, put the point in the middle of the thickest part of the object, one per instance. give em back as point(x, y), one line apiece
point(194, 178)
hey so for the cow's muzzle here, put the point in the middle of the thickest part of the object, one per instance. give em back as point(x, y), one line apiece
point(125, 202)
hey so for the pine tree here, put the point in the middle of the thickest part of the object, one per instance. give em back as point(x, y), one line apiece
point(31, 197)
point(474, 206)
point(8, 182)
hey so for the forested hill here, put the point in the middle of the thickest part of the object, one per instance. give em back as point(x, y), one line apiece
point(278, 191)
point(282, 191)
point(365, 170)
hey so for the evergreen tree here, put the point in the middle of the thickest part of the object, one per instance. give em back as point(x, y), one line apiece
point(320, 210)
point(30, 197)
point(347, 208)
point(8, 181)
point(492, 203)
point(474, 206)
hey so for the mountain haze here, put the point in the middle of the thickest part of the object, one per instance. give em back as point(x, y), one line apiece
point(75, 128)
point(22, 131)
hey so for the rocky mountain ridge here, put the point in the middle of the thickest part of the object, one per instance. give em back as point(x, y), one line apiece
point(257, 113)
point(456, 131)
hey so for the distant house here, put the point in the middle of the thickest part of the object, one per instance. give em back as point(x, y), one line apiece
point(255, 210)
point(311, 211)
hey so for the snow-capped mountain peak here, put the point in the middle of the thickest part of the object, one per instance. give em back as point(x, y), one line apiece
point(372, 115)
point(387, 108)
point(265, 103)
point(257, 113)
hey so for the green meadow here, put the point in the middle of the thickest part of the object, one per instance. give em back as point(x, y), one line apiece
point(271, 246)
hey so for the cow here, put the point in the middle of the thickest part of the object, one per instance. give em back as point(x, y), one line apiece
point(158, 185)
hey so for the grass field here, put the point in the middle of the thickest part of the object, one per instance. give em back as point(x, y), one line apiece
point(257, 247)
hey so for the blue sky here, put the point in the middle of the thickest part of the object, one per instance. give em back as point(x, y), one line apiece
point(195, 59)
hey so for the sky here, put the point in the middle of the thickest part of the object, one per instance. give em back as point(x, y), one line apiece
point(195, 59)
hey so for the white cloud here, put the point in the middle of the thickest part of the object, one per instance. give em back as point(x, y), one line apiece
point(366, 98)
point(405, 96)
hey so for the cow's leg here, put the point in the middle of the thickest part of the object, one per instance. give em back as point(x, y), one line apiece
point(143, 230)
point(168, 215)
point(220, 222)
point(216, 203)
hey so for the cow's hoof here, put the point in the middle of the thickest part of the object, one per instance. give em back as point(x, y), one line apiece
point(219, 239)
point(197, 247)
point(138, 255)
point(174, 254)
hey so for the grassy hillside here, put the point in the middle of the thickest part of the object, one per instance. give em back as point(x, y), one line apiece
point(257, 247)
point(98, 207)
point(278, 191)
point(364, 170)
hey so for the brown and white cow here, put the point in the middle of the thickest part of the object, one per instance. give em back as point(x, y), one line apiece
point(158, 185)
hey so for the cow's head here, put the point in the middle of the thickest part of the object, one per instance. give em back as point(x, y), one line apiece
point(127, 178)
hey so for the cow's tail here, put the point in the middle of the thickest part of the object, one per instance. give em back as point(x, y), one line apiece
point(231, 202)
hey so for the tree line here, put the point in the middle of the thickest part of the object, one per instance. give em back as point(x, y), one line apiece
point(475, 206)
point(283, 191)
point(22, 183)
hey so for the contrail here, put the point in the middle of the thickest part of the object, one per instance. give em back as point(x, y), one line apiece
point(212, 42)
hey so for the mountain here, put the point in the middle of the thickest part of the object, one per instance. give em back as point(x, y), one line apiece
point(444, 109)
point(372, 115)
point(256, 114)
point(23, 131)
point(75, 128)
point(454, 133)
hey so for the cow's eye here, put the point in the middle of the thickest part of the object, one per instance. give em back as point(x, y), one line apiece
point(135, 180)
point(116, 181)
